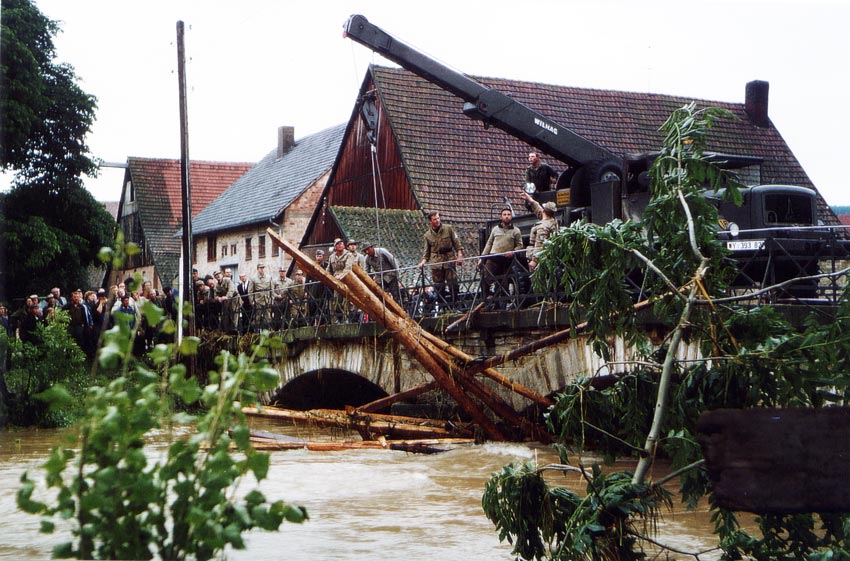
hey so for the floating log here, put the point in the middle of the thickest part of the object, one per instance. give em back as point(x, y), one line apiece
point(417, 446)
point(370, 424)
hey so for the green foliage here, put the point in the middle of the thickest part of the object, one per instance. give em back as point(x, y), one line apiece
point(46, 115)
point(52, 228)
point(554, 523)
point(606, 268)
point(37, 369)
point(127, 504)
point(754, 358)
point(598, 282)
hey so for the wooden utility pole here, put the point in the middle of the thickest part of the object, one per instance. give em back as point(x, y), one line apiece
point(185, 185)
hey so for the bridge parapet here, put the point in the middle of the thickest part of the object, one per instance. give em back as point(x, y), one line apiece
point(368, 351)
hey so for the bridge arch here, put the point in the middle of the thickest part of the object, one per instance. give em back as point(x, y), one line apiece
point(326, 388)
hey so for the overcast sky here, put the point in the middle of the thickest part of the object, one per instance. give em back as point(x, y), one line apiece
point(254, 65)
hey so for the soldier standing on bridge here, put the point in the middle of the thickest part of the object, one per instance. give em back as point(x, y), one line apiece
point(340, 262)
point(542, 230)
point(383, 267)
point(444, 252)
point(498, 255)
point(262, 297)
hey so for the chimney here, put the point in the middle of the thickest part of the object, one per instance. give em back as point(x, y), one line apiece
point(756, 103)
point(285, 140)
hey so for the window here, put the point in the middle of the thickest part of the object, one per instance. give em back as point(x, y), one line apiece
point(275, 250)
point(212, 243)
point(224, 250)
point(261, 252)
point(248, 253)
point(233, 253)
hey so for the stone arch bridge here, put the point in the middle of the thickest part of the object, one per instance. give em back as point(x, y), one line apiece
point(352, 364)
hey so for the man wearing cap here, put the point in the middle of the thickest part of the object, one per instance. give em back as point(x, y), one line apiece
point(297, 295)
point(359, 258)
point(339, 264)
point(229, 302)
point(498, 255)
point(384, 269)
point(542, 229)
point(444, 252)
point(262, 297)
point(280, 294)
point(319, 293)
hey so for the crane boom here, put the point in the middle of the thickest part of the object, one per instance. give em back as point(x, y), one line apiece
point(486, 104)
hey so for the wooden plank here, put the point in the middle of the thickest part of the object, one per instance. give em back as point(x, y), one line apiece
point(778, 461)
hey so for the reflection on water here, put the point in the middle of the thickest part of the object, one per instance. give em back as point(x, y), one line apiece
point(375, 504)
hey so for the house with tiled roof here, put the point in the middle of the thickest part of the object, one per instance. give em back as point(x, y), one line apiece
point(281, 191)
point(429, 155)
point(150, 211)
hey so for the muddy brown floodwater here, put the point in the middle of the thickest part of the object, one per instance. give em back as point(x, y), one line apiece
point(363, 504)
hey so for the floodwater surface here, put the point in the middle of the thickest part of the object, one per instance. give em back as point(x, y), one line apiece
point(363, 504)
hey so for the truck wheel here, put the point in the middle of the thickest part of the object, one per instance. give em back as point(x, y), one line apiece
point(603, 170)
point(598, 171)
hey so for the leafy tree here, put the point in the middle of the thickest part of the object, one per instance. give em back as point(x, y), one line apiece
point(125, 504)
point(757, 360)
point(57, 359)
point(51, 227)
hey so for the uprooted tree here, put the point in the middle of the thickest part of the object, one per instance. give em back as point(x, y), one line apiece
point(752, 358)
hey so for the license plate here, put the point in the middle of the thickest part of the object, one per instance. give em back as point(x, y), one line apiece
point(745, 245)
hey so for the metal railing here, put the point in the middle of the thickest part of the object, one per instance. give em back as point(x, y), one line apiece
point(808, 265)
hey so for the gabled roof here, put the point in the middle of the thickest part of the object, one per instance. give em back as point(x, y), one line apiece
point(457, 166)
point(272, 184)
point(157, 187)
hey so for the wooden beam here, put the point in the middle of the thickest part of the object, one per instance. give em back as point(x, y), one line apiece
point(397, 325)
point(379, 404)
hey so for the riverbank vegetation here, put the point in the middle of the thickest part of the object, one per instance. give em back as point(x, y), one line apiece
point(35, 369)
point(125, 502)
point(752, 358)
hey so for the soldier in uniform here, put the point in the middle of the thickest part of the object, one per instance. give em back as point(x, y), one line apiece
point(297, 294)
point(224, 293)
point(383, 267)
point(542, 229)
point(262, 297)
point(340, 263)
point(319, 293)
point(498, 254)
point(280, 293)
point(444, 252)
point(359, 258)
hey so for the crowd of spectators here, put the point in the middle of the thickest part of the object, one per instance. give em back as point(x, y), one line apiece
point(89, 312)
